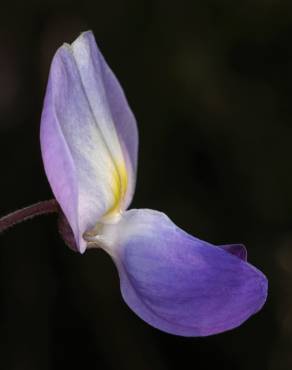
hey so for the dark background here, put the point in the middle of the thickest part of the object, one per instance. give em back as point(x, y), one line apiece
point(210, 83)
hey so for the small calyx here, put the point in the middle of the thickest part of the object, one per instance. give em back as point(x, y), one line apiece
point(66, 232)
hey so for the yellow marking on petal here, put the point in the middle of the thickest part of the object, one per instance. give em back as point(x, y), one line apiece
point(119, 188)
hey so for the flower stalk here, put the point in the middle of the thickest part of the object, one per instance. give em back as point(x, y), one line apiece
point(27, 213)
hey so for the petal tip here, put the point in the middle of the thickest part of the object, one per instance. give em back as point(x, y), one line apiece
point(238, 250)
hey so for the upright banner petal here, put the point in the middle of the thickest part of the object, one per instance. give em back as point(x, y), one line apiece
point(89, 156)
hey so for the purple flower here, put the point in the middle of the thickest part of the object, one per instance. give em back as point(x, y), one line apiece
point(172, 280)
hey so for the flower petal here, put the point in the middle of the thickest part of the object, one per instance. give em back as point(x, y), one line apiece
point(102, 87)
point(88, 137)
point(178, 283)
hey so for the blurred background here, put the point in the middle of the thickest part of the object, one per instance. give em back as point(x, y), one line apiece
point(210, 84)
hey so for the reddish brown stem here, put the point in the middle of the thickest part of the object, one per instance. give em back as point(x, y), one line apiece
point(41, 208)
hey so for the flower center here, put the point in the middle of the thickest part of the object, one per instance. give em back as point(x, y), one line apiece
point(103, 235)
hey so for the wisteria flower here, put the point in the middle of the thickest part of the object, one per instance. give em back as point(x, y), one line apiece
point(89, 141)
